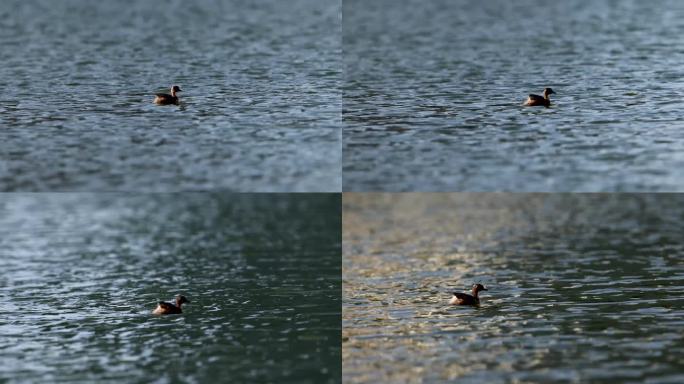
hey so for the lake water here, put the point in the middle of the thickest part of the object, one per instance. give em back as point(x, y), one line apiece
point(260, 109)
point(433, 93)
point(582, 288)
point(82, 273)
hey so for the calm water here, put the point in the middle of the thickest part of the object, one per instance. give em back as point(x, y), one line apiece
point(81, 274)
point(433, 94)
point(260, 111)
point(581, 288)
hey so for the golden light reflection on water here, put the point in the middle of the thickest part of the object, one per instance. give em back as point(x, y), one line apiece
point(564, 273)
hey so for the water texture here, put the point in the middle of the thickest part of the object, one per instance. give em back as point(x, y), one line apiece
point(260, 108)
point(582, 288)
point(82, 273)
point(433, 93)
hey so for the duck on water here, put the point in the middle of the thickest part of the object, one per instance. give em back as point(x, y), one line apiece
point(536, 100)
point(165, 308)
point(459, 298)
point(166, 99)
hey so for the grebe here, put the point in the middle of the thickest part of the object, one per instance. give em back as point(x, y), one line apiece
point(466, 299)
point(166, 99)
point(536, 100)
point(164, 308)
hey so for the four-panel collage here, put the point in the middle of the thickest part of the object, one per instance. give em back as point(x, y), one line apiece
point(341, 191)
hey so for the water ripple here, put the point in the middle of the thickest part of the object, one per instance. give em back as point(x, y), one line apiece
point(581, 288)
point(433, 96)
point(260, 111)
point(83, 272)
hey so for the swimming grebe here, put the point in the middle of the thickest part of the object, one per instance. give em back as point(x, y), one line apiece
point(164, 308)
point(536, 100)
point(466, 299)
point(165, 98)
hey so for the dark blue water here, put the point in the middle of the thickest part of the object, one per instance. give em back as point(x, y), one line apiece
point(82, 273)
point(260, 109)
point(433, 93)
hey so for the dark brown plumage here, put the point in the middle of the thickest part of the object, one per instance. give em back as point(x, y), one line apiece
point(536, 100)
point(164, 308)
point(466, 299)
point(166, 99)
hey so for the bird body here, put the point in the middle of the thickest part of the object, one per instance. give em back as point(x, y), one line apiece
point(165, 308)
point(166, 99)
point(536, 100)
point(459, 298)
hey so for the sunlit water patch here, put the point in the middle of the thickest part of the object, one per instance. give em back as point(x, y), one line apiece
point(581, 288)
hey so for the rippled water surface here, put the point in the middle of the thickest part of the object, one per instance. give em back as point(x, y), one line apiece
point(433, 93)
point(581, 288)
point(82, 273)
point(260, 109)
